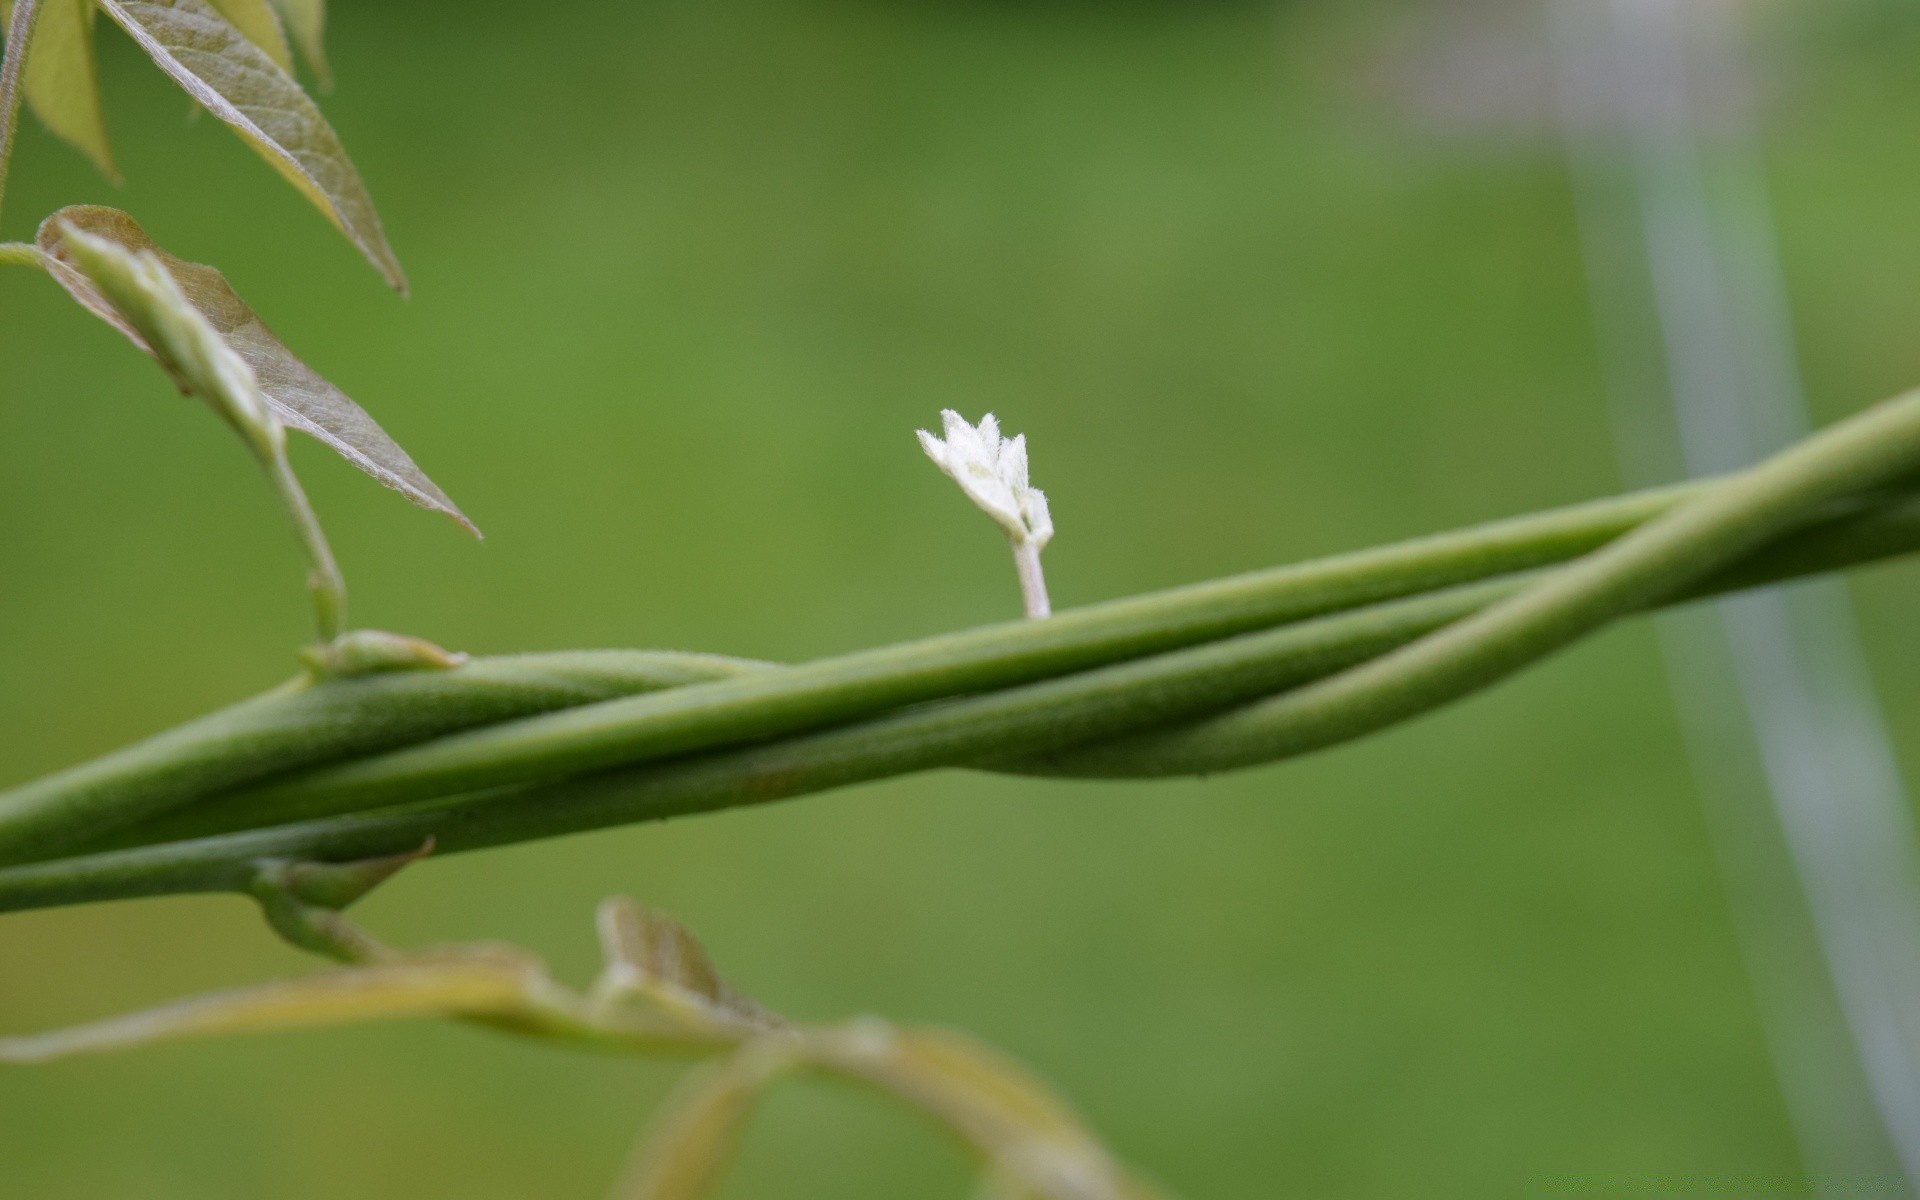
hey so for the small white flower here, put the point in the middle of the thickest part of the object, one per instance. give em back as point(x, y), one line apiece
point(992, 471)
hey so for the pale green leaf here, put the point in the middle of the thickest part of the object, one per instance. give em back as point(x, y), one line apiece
point(298, 395)
point(687, 1149)
point(478, 984)
point(306, 20)
point(260, 24)
point(237, 82)
point(651, 956)
point(146, 297)
point(62, 83)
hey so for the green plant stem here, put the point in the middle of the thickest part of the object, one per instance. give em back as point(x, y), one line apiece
point(1720, 524)
point(19, 33)
point(303, 728)
point(324, 580)
point(21, 254)
point(979, 729)
point(758, 705)
point(303, 723)
point(110, 802)
point(1869, 450)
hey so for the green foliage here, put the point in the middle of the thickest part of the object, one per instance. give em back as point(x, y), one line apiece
point(232, 57)
point(299, 397)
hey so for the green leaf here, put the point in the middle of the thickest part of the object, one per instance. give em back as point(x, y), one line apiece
point(650, 956)
point(62, 83)
point(238, 82)
point(260, 24)
point(148, 302)
point(307, 21)
point(298, 395)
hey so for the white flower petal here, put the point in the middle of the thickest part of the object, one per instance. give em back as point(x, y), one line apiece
point(992, 471)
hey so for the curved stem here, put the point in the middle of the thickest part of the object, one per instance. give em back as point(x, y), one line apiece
point(1010, 692)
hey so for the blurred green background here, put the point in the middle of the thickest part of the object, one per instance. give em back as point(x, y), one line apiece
point(686, 276)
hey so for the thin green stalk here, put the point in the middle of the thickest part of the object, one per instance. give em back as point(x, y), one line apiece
point(21, 254)
point(19, 33)
point(324, 580)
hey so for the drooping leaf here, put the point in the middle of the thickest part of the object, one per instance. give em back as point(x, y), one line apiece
point(260, 24)
point(651, 956)
point(298, 395)
point(465, 984)
point(687, 1149)
point(147, 299)
point(239, 83)
point(62, 83)
point(306, 20)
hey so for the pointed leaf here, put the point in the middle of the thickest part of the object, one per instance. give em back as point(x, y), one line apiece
point(652, 956)
point(62, 82)
point(306, 20)
point(297, 394)
point(147, 298)
point(688, 1146)
point(470, 984)
point(260, 24)
point(236, 81)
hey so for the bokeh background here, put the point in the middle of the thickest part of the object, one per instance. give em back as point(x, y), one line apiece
point(1259, 280)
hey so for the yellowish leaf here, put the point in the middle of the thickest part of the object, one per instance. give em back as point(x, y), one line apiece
point(236, 81)
point(651, 956)
point(299, 396)
point(306, 20)
point(260, 24)
point(62, 83)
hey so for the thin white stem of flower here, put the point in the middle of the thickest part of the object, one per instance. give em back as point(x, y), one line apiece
point(324, 580)
point(1033, 581)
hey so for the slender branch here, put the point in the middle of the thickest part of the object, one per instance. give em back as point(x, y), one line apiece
point(21, 254)
point(324, 580)
point(19, 33)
